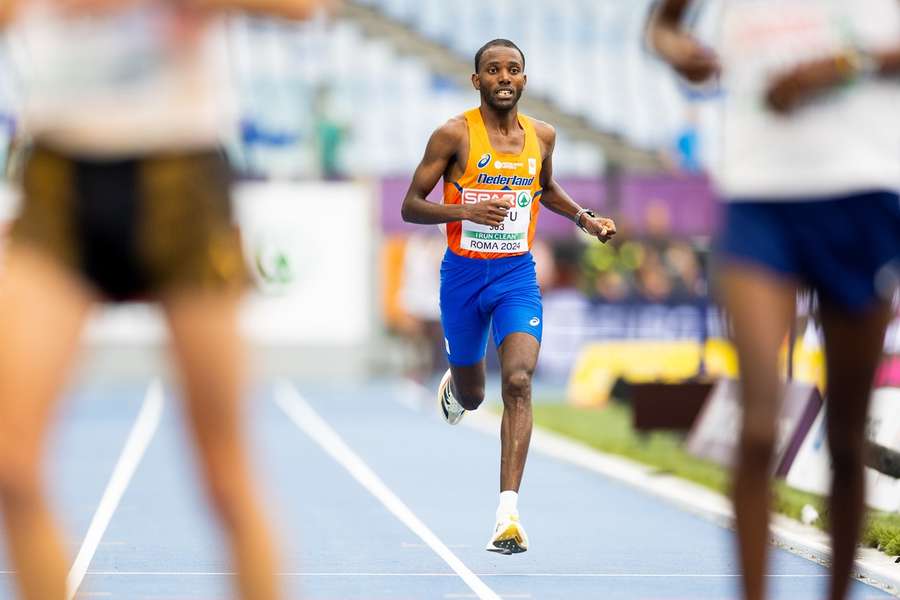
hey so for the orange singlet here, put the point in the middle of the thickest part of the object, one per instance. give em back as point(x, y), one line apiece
point(490, 175)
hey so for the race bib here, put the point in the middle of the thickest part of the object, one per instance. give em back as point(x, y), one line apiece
point(511, 236)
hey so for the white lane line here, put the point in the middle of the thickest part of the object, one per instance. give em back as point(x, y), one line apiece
point(430, 575)
point(473, 596)
point(139, 438)
point(303, 415)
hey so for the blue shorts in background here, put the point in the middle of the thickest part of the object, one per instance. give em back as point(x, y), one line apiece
point(477, 294)
point(838, 246)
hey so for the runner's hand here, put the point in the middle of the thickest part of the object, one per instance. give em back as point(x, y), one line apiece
point(688, 57)
point(794, 87)
point(489, 212)
point(601, 228)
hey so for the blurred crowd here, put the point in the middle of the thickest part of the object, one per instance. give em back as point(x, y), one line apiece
point(649, 263)
point(640, 271)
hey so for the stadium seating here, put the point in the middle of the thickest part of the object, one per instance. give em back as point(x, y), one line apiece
point(387, 104)
point(297, 82)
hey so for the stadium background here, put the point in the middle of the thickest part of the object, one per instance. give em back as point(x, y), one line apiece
point(349, 106)
point(333, 118)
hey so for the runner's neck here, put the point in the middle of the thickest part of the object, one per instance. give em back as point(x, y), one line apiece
point(501, 122)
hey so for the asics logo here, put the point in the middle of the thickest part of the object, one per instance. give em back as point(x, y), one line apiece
point(484, 160)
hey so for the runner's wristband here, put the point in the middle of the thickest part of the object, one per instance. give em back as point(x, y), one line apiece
point(579, 214)
point(855, 64)
point(866, 65)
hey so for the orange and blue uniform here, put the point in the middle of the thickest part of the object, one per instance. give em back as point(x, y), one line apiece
point(491, 175)
point(487, 276)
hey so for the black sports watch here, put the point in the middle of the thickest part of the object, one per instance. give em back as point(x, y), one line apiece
point(581, 213)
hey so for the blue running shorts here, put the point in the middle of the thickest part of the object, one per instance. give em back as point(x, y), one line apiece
point(839, 246)
point(476, 293)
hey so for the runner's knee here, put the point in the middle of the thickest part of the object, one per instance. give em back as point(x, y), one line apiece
point(225, 494)
point(517, 386)
point(19, 478)
point(757, 446)
point(469, 397)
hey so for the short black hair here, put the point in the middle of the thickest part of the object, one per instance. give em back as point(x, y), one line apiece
point(497, 42)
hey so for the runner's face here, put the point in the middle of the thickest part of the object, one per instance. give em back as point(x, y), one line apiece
point(501, 77)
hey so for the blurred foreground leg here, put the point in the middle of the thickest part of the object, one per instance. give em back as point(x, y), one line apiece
point(42, 309)
point(211, 358)
point(853, 349)
point(761, 307)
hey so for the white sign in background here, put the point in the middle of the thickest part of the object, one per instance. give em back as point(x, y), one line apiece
point(811, 469)
point(312, 246)
point(314, 243)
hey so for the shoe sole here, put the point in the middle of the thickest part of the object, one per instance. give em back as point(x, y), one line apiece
point(508, 542)
point(445, 381)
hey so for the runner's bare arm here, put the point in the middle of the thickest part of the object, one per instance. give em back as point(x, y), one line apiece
point(888, 62)
point(688, 57)
point(555, 198)
point(440, 151)
point(804, 82)
point(289, 9)
point(7, 8)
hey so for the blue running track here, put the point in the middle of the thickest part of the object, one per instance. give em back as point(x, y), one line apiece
point(591, 537)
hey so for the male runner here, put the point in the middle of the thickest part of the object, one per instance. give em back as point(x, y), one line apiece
point(125, 195)
point(497, 167)
point(810, 171)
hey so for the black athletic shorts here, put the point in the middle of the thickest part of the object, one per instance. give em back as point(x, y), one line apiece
point(134, 228)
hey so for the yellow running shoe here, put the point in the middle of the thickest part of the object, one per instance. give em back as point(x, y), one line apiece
point(509, 536)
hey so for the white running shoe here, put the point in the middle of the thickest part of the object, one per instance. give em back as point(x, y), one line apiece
point(451, 410)
point(509, 536)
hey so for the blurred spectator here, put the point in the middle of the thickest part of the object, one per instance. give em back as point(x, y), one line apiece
point(655, 269)
point(420, 295)
point(652, 280)
point(612, 286)
point(330, 134)
point(684, 262)
point(657, 222)
point(687, 141)
point(567, 262)
point(544, 264)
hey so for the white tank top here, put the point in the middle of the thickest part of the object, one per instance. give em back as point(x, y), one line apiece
point(846, 141)
point(143, 79)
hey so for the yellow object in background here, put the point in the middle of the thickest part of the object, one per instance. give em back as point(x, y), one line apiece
point(809, 364)
point(600, 364)
point(721, 359)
